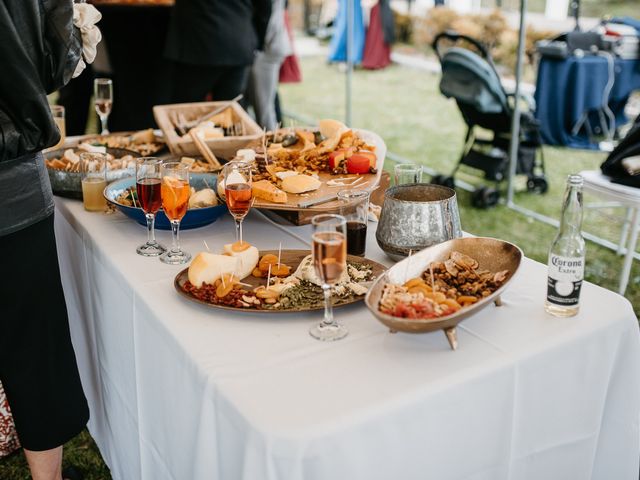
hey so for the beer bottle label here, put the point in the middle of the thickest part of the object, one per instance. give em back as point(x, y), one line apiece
point(565, 280)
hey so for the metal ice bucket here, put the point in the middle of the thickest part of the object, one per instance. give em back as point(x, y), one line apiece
point(416, 216)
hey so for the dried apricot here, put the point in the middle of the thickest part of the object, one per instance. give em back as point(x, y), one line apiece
point(452, 304)
point(240, 246)
point(414, 282)
point(420, 289)
point(224, 289)
point(281, 270)
point(466, 299)
point(258, 273)
point(263, 292)
point(266, 260)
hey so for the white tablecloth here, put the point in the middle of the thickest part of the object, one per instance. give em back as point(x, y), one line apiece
point(179, 391)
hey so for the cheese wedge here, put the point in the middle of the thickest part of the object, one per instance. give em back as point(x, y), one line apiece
point(332, 128)
point(268, 191)
point(234, 177)
point(203, 198)
point(245, 261)
point(208, 267)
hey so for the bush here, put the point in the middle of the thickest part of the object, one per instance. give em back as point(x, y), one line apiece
point(436, 21)
point(492, 27)
point(404, 27)
point(492, 30)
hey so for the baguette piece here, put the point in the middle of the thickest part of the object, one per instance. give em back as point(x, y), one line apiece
point(268, 191)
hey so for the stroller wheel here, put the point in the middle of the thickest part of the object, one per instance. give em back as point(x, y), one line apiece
point(444, 180)
point(537, 184)
point(485, 197)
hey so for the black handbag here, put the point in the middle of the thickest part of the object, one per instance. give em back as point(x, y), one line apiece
point(629, 146)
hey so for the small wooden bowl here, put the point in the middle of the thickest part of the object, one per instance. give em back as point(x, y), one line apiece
point(492, 254)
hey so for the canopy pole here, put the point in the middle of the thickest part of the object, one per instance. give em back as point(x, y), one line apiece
point(350, 15)
point(515, 121)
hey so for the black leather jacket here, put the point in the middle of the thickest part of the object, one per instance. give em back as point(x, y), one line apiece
point(39, 51)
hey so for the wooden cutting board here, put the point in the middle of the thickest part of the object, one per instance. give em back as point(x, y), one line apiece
point(369, 183)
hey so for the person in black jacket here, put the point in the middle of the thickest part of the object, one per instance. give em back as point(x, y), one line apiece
point(212, 45)
point(40, 50)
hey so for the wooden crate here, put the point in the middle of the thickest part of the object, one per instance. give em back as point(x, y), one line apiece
point(303, 217)
point(224, 148)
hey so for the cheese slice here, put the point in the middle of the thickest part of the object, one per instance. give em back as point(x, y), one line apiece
point(268, 191)
point(300, 184)
point(87, 147)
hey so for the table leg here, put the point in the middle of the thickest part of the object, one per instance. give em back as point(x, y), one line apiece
point(631, 248)
point(624, 233)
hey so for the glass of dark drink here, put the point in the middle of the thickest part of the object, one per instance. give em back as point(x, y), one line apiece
point(237, 192)
point(148, 190)
point(354, 206)
point(330, 262)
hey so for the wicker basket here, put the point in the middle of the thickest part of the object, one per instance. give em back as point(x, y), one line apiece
point(224, 148)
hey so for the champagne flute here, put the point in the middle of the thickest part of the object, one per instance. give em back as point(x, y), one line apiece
point(330, 261)
point(175, 201)
point(148, 190)
point(237, 192)
point(103, 100)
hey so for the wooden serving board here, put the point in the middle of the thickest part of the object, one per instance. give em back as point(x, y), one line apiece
point(369, 183)
point(303, 217)
point(288, 257)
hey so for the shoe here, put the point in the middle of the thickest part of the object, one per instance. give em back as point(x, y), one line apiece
point(72, 473)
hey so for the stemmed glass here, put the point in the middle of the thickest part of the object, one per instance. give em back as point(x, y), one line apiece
point(175, 201)
point(148, 190)
point(237, 192)
point(330, 261)
point(103, 100)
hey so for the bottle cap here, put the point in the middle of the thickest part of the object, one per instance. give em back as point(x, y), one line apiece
point(574, 180)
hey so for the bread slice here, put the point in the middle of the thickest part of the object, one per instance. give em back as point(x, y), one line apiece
point(266, 190)
point(300, 184)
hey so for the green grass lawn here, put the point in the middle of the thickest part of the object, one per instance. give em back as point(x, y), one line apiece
point(80, 452)
point(406, 109)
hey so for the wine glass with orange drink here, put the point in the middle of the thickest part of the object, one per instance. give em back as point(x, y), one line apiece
point(330, 262)
point(237, 192)
point(175, 192)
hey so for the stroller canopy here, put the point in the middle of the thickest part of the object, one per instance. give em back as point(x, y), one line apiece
point(471, 80)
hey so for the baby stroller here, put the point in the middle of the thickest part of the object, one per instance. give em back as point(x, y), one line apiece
point(472, 80)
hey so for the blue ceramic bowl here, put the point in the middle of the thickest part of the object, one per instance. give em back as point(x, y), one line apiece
point(194, 218)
